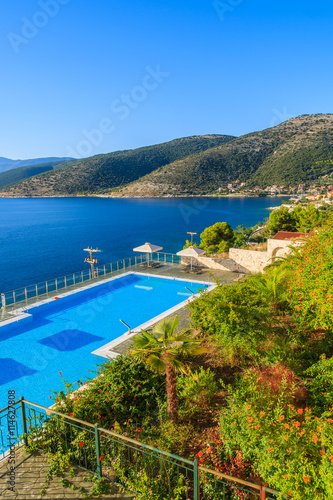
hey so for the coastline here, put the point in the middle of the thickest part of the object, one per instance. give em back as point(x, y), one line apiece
point(231, 195)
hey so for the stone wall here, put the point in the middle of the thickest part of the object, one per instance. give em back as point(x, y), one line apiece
point(250, 260)
point(246, 261)
point(213, 263)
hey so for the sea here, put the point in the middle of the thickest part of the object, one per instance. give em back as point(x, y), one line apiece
point(44, 238)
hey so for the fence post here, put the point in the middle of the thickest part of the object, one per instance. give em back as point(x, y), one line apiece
point(24, 422)
point(65, 281)
point(3, 300)
point(81, 276)
point(98, 453)
point(56, 284)
point(196, 485)
point(262, 493)
point(104, 270)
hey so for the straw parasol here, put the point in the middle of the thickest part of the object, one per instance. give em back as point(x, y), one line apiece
point(191, 252)
point(147, 248)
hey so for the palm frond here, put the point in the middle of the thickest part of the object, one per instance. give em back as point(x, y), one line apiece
point(156, 363)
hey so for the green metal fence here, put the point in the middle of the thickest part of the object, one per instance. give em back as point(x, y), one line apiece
point(22, 296)
point(120, 458)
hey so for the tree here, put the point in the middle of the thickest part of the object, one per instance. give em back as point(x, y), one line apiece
point(241, 235)
point(163, 351)
point(281, 220)
point(217, 238)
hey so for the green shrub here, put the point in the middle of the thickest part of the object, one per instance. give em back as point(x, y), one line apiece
point(125, 391)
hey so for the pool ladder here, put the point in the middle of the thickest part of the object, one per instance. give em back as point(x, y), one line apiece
point(129, 328)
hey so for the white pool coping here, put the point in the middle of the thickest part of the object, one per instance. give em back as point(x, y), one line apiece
point(23, 315)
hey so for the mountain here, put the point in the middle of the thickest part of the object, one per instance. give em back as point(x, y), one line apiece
point(17, 174)
point(299, 150)
point(8, 164)
point(101, 173)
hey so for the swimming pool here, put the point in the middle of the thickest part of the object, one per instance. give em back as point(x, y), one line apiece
point(66, 335)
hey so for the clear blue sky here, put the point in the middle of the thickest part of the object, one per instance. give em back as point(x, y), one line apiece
point(228, 67)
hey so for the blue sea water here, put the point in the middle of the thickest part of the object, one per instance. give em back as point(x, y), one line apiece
point(62, 336)
point(43, 238)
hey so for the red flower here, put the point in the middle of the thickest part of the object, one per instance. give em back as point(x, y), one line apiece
point(71, 414)
point(201, 460)
point(306, 479)
point(200, 454)
point(60, 373)
point(100, 458)
point(81, 443)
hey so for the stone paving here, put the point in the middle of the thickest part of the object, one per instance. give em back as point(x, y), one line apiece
point(30, 477)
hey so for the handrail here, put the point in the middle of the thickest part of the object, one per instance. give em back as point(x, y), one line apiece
point(101, 433)
point(61, 283)
point(111, 433)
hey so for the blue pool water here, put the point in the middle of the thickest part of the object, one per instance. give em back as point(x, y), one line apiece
point(62, 336)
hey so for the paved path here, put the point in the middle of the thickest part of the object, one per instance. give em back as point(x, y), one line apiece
point(30, 477)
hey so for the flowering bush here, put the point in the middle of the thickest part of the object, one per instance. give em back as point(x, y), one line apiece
point(289, 447)
point(125, 392)
point(311, 288)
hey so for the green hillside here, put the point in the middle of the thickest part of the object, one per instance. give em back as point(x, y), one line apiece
point(292, 152)
point(104, 172)
point(18, 174)
point(299, 150)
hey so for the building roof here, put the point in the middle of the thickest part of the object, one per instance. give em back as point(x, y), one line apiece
point(288, 235)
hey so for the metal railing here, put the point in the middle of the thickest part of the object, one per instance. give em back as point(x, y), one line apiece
point(119, 458)
point(21, 296)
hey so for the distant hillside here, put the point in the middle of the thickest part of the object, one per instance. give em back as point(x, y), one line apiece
point(17, 174)
point(104, 172)
point(286, 154)
point(299, 150)
point(7, 164)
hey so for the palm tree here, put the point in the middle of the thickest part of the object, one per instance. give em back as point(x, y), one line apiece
point(163, 351)
point(271, 285)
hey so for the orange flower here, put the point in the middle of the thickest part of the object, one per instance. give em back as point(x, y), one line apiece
point(286, 426)
point(314, 438)
point(248, 407)
point(262, 413)
point(289, 450)
point(270, 450)
point(257, 427)
point(300, 411)
point(286, 437)
point(329, 420)
point(249, 419)
point(281, 417)
point(286, 476)
point(306, 479)
point(302, 432)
